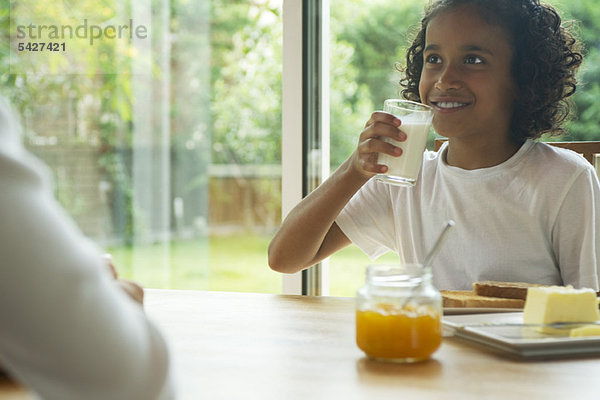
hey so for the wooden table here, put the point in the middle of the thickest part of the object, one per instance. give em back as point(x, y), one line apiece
point(260, 346)
point(10, 390)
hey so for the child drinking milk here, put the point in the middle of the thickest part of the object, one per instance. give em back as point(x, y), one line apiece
point(498, 75)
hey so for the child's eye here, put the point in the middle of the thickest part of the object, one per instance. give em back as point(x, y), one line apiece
point(473, 60)
point(433, 59)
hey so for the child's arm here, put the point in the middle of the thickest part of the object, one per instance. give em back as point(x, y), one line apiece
point(309, 233)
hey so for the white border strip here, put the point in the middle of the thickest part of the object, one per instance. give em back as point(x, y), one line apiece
point(291, 137)
point(325, 124)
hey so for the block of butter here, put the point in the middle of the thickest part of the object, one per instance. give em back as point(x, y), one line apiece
point(585, 330)
point(547, 305)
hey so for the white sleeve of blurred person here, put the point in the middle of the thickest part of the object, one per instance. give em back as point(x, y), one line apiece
point(67, 330)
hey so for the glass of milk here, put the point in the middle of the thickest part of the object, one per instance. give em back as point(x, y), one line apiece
point(416, 120)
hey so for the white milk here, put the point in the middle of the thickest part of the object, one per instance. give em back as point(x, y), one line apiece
point(404, 169)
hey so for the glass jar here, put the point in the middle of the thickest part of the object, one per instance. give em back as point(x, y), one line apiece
point(398, 313)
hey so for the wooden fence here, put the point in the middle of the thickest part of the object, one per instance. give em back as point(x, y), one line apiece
point(239, 198)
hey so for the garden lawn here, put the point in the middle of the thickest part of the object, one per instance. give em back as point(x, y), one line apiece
point(227, 263)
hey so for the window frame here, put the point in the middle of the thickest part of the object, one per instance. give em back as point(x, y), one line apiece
point(305, 134)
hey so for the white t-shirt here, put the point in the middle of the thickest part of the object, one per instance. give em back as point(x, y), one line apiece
point(66, 331)
point(533, 218)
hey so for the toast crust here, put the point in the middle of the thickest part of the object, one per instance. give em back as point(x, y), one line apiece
point(505, 290)
point(465, 298)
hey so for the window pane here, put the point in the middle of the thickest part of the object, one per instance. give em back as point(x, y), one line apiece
point(164, 141)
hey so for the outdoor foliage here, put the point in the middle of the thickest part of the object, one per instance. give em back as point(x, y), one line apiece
point(585, 15)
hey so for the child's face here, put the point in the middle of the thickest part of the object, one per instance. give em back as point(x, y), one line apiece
point(466, 75)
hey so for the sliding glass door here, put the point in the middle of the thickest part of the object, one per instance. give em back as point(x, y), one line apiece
point(161, 124)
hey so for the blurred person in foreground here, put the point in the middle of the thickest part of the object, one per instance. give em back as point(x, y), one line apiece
point(69, 329)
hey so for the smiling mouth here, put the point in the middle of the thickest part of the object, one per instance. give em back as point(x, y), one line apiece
point(449, 105)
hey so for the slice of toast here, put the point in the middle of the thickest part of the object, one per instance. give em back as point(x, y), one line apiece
point(465, 298)
point(506, 290)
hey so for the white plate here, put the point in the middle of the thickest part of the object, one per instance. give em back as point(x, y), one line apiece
point(516, 340)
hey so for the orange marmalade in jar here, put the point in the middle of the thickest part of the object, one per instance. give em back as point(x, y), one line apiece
point(398, 314)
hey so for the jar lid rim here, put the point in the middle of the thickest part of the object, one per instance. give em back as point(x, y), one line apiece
point(397, 275)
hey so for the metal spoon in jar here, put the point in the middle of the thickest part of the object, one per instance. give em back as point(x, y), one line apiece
point(429, 258)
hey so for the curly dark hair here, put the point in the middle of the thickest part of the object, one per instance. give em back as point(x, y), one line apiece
point(546, 56)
